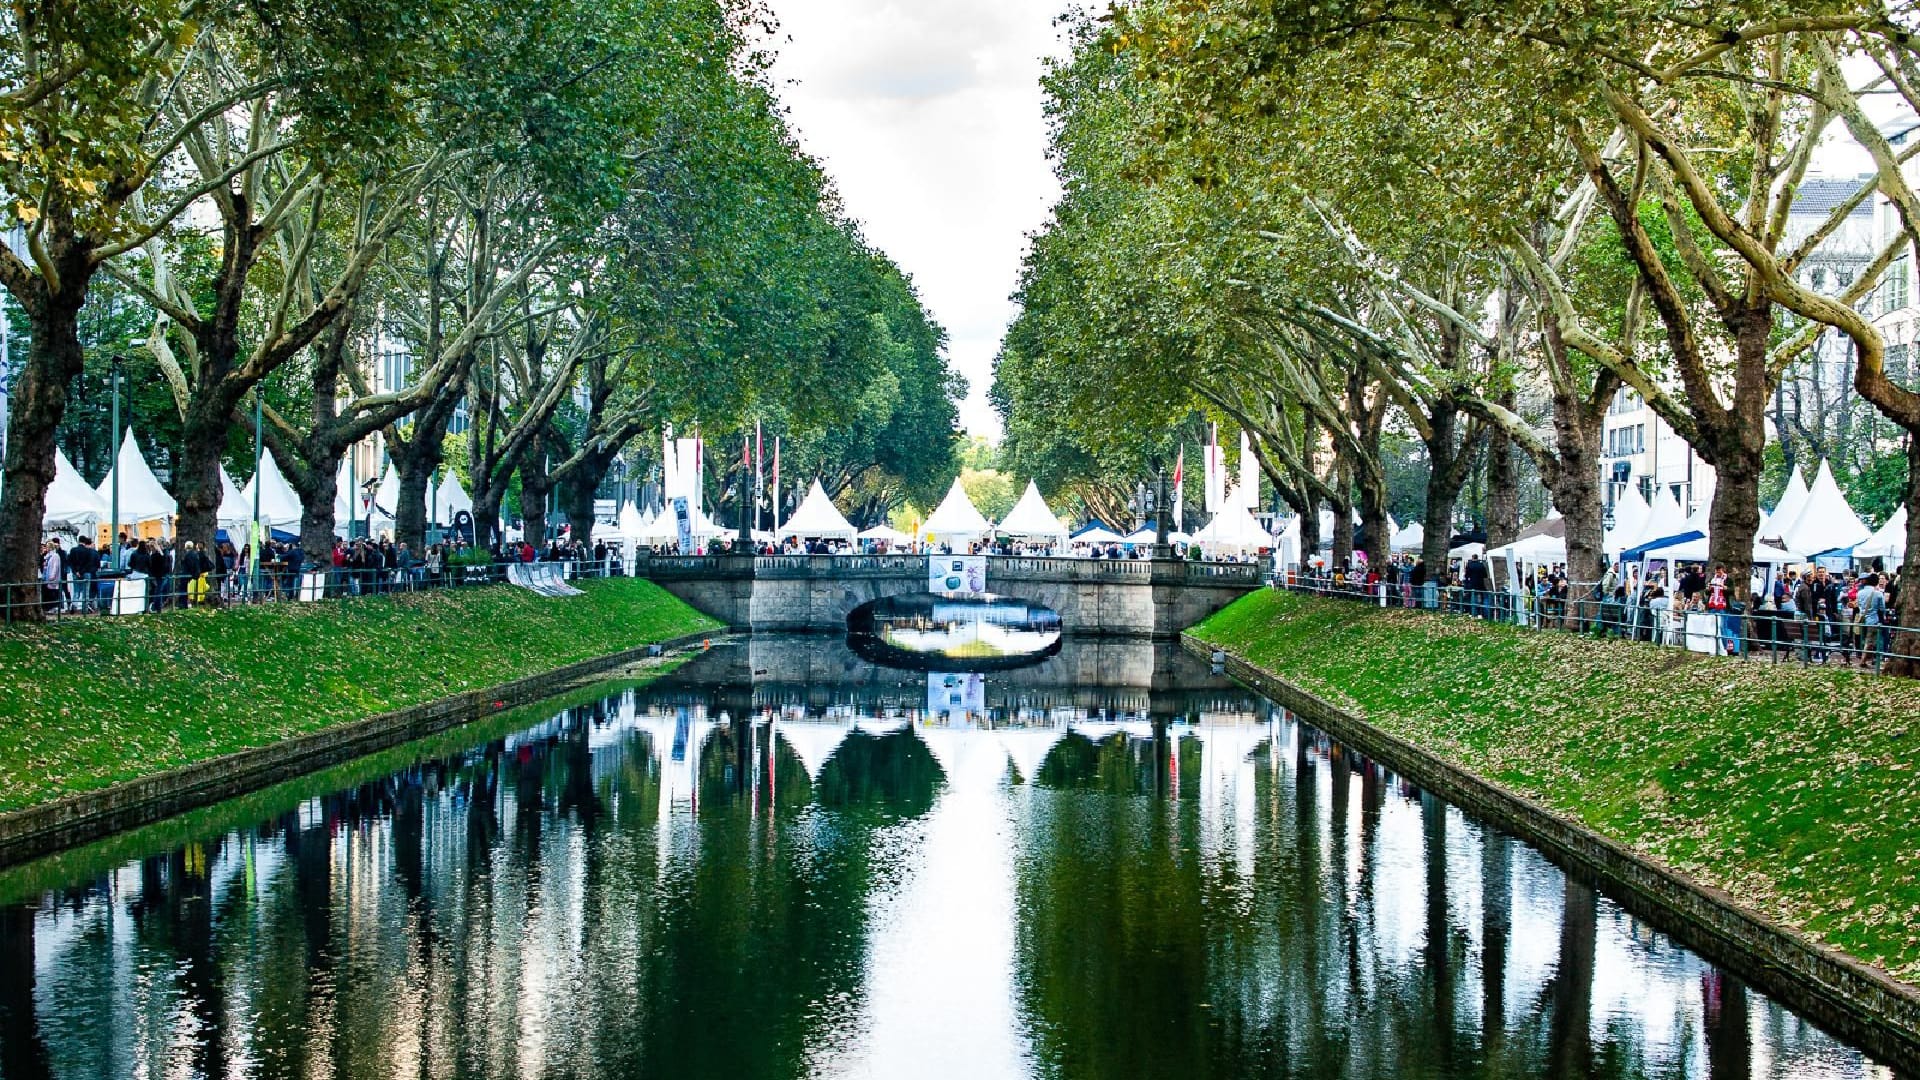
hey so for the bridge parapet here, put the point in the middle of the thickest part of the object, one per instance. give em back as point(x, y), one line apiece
point(1127, 597)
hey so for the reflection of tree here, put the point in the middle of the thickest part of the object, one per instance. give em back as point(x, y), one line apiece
point(892, 775)
point(23, 1053)
point(1116, 765)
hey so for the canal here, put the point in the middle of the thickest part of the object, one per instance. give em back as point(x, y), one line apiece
point(786, 860)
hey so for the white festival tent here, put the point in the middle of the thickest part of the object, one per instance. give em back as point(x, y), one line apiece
point(1890, 543)
point(1147, 536)
point(346, 499)
point(1031, 518)
point(1411, 538)
point(1467, 551)
point(1792, 500)
point(71, 504)
point(1695, 551)
point(631, 524)
point(887, 533)
point(817, 516)
point(235, 511)
point(1826, 522)
point(451, 499)
point(1099, 535)
point(1536, 550)
point(1666, 519)
point(1630, 514)
point(1233, 528)
point(279, 506)
point(955, 519)
point(141, 496)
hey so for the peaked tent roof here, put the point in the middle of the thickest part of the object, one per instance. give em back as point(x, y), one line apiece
point(451, 498)
point(1411, 538)
point(1792, 500)
point(279, 506)
point(235, 510)
point(956, 516)
point(630, 525)
point(817, 516)
point(1098, 534)
point(141, 496)
point(69, 500)
point(386, 498)
point(1234, 527)
point(1826, 521)
point(1889, 543)
point(1031, 517)
point(1630, 514)
point(1665, 519)
point(888, 533)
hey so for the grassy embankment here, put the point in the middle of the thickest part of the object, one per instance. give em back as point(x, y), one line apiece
point(90, 702)
point(1796, 791)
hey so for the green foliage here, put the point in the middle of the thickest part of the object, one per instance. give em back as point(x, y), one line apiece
point(1790, 788)
point(115, 699)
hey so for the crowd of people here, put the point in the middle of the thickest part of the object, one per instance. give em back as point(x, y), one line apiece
point(80, 578)
point(1829, 616)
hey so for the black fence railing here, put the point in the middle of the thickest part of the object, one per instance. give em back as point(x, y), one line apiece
point(1765, 635)
point(108, 594)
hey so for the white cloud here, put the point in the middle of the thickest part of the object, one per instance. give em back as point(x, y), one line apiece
point(927, 113)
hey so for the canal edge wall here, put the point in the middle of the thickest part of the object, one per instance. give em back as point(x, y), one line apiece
point(1854, 1000)
point(36, 831)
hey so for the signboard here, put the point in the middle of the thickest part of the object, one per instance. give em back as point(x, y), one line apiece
point(463, 527)
point(685, 523)
point(956, 694)
point(957, 575)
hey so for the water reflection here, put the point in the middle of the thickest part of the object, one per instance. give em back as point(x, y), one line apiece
point(960, 633)
point(831, 869)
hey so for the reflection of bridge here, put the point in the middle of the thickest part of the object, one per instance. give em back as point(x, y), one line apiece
point(1155, 598)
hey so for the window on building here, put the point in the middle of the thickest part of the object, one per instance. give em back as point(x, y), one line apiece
point(1896, 286)
point(1819, 280)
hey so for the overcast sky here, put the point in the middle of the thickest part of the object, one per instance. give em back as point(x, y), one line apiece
point(927, 115)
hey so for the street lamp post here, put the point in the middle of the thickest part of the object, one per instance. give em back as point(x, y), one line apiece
point(113, 449)
point(258, 536)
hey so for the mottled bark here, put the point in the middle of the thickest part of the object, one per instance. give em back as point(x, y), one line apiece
point(38, 401)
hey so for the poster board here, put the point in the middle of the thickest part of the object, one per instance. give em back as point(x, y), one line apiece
point(957, 575)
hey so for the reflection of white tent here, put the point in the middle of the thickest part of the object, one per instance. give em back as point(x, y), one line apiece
point(141, 496)
point(1031, 518)
point(813, 743)
point(1028, 747)
point(1890, 543)
point(887, 533)
point(1411, 538)
point(1630, 514)
point(1826, 521)
point(450, 499)
point(279, 506)
point(70, 502)
point(817, 516)
point(956, 519)
point(1792, 501)
point(235, 511)
point(1233, 527)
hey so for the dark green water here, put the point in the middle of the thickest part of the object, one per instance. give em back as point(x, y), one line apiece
point(785, 862)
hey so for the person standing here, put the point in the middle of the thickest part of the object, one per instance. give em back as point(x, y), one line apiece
point(83, 563)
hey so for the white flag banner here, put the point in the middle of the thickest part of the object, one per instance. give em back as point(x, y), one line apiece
point(1249, 475)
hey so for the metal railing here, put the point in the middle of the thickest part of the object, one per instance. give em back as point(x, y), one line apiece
point(79, 596)
point(1764, 635)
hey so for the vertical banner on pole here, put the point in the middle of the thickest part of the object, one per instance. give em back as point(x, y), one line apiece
point(1179, 476)
point(776, 484)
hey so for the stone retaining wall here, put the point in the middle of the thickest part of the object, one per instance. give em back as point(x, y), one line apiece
point(87, 816)
point(1855, 1001)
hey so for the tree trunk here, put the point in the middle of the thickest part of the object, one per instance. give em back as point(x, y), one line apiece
point(1503, 493)
point(1343, 532)
point(486, 514)
point(1574, 481)
point(534, 487)
point(39, 400)
point(1309, 528)
point(316, 508)
point(1906, 645)
point(196, 483)
point(410, 517)
point(578, 490)
point(1373, 522)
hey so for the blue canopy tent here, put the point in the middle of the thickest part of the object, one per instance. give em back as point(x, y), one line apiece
point(1635, 554)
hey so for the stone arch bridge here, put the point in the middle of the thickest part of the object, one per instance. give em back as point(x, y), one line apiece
point(1150, 598)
